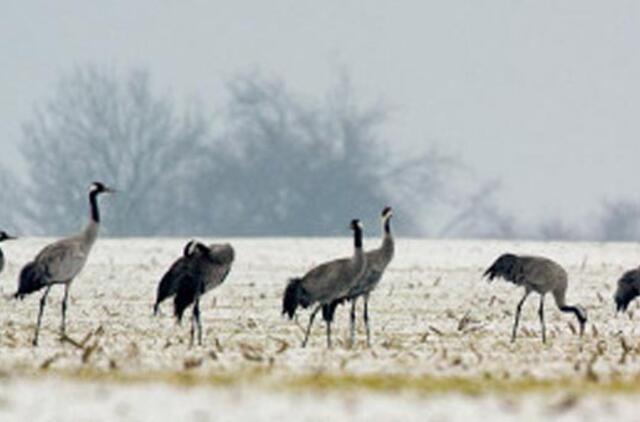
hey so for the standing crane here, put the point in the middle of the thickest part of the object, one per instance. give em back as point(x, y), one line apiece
point(60, 262)
point(377, 261)
point(326, 283)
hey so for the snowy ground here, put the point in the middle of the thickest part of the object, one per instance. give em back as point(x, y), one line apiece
point(441, 340)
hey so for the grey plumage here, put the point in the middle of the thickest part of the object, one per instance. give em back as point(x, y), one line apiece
point(60, 262)
point(199, 270)
point(540, 275)
point(627, 290)
point(377, 261)
point(3, 236)
point(325, 283)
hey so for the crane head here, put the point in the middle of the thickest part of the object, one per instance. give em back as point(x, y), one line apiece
point(99, 187)
point(189, 248)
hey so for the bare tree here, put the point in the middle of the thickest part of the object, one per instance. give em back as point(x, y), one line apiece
point(285, 165)
point(100, 127)
point(281, 164)
point(478, 216)
point(282, 167)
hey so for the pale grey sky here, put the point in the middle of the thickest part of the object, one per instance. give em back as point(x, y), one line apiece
point(543, 94)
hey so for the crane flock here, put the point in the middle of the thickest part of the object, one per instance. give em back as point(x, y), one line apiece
point(202, 268)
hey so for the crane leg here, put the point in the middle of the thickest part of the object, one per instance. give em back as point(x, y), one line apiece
point(196, 314)
point(541, 314)
point(328, 334)
point(192, 330)
point(195, 323)
point(366, 319)
point(43, 302)
point(65, 298)
point(311, 318)
point(352, 323)
point(518, 310)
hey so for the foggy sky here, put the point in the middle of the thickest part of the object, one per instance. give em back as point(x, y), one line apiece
point(542, 94)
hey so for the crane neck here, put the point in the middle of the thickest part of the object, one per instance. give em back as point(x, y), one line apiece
point(90, 234)
point(386, 229)
point(560, 299)
point(359, 259)
point(95, 211)
point(387, 247)
point(357, 239)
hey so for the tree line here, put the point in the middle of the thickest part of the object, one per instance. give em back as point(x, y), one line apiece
point(269, 162)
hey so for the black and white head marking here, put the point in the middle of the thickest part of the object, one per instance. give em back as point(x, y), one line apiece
point(99, 187)
point(189, 248)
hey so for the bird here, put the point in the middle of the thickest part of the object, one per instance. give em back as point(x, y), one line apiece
point(3, 236)
point(540, 275)
point(325, 283)
point(200, 269)
point(61, 261)
point(169, 282)
point(377, 261)
point(628, 289)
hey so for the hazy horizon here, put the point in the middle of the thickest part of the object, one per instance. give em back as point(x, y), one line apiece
point(540, 95)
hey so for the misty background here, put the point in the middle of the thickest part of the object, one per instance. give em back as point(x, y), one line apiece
point(473, 119)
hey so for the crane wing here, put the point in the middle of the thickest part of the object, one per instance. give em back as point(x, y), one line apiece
point(217, 275)
point(322, 282)
point(171, 280)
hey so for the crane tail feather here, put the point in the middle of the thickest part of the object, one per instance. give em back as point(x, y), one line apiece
point(33, 277)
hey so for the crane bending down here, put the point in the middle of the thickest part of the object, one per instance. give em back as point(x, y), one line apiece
point(325, 283)
point(540, 275)
point(60, 262)
point(627, 290)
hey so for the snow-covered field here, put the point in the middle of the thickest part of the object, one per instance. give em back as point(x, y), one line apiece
point(440, 350)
